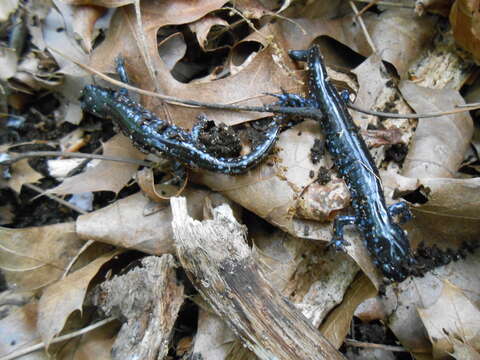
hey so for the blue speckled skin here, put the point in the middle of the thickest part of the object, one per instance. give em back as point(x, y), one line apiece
point(386, 241)
point(151, 134)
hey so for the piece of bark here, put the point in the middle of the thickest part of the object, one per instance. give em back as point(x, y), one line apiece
point(148, 298)
point(218, 261)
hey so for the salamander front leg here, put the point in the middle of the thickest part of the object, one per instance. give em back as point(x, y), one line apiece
point(338, 242)
point(122, 74)
point(291, 100)
point(402, 210)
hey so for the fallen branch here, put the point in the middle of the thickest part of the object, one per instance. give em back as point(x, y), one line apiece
point(218, 261)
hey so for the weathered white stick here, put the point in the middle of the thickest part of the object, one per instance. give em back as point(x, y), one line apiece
point(217, 260)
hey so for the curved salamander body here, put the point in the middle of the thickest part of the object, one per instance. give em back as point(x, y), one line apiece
point(385, 240)
point(152, 134)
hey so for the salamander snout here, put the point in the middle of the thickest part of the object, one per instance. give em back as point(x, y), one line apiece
point(94, 99)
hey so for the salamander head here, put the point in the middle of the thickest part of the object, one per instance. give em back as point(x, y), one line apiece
point(95, 100)
point(390, 249)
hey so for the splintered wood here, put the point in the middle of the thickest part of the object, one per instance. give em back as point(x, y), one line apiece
point(148, 298)
point(218, 261)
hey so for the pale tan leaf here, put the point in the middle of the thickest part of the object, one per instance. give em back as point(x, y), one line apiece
point(449, 217)
point(203, 26)
point(376, 93)
point(128, 223)
point(6, 8)
point(337, 325)
point(254, 9)
point(399, 35)
point(61, 17)
point(213, 339)
point(401, 301)
point(292, 266)
point(6, 214)
point(172, 49)
point(34, 257)
point(64, 297)
point(259, 77)
point(104, 3)
point(462, 351)
point(106, 175)
point(22, 173)
point(464, 17)
point(96, 344)
point(272, 192)
point(8, 62)
point(84, 20)
point(439, 143)
point(19, 330)
point(453, 315)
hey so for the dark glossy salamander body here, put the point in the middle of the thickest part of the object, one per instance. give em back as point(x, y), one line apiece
point(151, 134)
point(385, 240)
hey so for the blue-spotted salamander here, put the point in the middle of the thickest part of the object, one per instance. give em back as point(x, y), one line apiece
point(386, 241)
point(152, 134)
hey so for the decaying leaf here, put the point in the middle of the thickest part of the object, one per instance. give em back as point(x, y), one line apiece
point(402, 301)
point(241, 50)
point(18, 330)
point(439, 143)
point(464, 17)
point(453, 315)
point(259, 77)
point(97, 344)
point(84, 20)
point(32, 258)
point(214, 339)
point(8, 62)
point(22, 173)
point(64, 297)
point(272, 192)
point(130, 223)
point(105, 175)
point(399, 47)
point(337, 325)
point(464, 351)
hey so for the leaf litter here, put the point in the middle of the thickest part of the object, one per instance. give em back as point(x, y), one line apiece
point(208, 52)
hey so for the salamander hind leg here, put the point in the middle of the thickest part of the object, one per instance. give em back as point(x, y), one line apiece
point(338, 242)
point(402, 210)
point(201, 125)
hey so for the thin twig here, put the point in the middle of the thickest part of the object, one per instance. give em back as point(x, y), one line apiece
point(464, 108)
point(302, 112)
point(369, 5)
point(356, 343)
point(55, 198)
point(143, 44)
point(72, 335)
point(364, 28)
point(387, 3)
point(10, 158)
point(77, 255)
point(306, 112)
